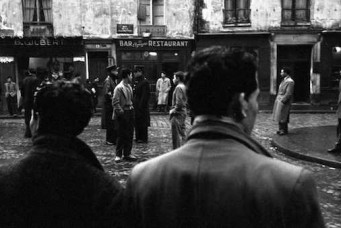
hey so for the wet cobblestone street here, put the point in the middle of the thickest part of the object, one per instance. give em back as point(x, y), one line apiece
point(13, 146)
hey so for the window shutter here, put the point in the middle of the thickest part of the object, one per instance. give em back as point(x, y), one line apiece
point(142, 12)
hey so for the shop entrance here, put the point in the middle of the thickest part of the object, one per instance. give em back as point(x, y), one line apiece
point(297, 59)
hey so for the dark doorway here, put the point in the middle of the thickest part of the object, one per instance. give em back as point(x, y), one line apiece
point(297, 58)
point(98, 61)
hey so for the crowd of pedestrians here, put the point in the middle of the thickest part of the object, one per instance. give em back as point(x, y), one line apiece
point(218, 176)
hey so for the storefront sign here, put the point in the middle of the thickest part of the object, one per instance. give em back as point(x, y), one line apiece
point(125, 28)
point(153, 43)
point(154, 30)
point(38, 42)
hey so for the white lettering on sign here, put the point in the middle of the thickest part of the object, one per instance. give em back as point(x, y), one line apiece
point(153, 43)
point(38, 42)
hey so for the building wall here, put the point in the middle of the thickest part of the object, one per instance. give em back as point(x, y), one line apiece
point(266, 14)
point(11, 18)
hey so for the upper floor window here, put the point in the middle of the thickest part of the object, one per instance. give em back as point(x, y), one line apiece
point(237, 12)
point(295, 12)
point(151, 12)
point(37, 11)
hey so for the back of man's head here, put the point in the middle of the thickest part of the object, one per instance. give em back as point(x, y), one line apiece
point(63, 108)
point(180, 75)
point(125, 73)
point(215, 78)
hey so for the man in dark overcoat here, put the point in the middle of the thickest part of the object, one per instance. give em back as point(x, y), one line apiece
point(108, 87)
point(60, 182)
point(29, 85)
point(141, 106)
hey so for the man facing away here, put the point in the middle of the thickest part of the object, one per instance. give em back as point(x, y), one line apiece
point(124, 114)
point(11, 96)
point(108, 87)
point(178, 111)
point(141, 106)
point(221, 177)
point(29, 85)
point(60, 182)
point(281, 110)
point(163, 85)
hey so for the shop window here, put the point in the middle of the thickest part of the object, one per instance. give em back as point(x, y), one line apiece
point(295, 12)
point(151, 12)
point(37, 11)
point(237, 12)
point(336, 67)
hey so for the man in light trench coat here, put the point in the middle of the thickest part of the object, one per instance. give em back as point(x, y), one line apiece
point(281, 110)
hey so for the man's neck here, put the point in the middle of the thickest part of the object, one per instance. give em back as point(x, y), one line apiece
point(125, 81)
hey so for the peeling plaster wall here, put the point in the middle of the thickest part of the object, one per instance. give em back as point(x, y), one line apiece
point(67, 18)
point(11, 16)
point(266, 14)
point(179, 17)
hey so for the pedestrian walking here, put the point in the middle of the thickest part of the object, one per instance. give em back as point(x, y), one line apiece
point(163, 85)
point(221, 177)
point(108, 87)
point(141, 106)
point(282, 105)
point(60, 182)
point(124, 114)
point(29, 86)
point(337, 147)
point(178, 112)
point(11, 96)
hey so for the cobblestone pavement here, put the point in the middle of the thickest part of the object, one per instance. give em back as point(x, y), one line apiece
point(13, 146)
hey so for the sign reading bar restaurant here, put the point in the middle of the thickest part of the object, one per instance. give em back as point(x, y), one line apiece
point(138, 44)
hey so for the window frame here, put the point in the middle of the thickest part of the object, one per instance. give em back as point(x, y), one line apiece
point(235, 11)
point(293, 21)
point(37, 8)
point(150, 16)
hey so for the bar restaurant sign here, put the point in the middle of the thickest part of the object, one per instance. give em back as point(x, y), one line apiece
point(143, 44)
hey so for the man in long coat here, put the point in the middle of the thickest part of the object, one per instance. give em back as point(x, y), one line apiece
point(30, 83)
point(141, 106)
point(163, 85)
point(281, 110)
point(108, 87)
point(337, 147)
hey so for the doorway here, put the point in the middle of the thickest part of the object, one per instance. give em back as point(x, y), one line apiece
point(297, 59)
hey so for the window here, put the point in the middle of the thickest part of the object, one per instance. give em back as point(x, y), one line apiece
point(37, 11)
point(151, 12)
point(237, 12)
point(295, 12)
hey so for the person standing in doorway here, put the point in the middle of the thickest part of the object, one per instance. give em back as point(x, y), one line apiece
point(141, 106)
point(337, 147)
point(124, 114)
point(178, 112)
point(163, 85)
point(108, 87)
point(11, 96)
point(29, 86)
point(281, 109)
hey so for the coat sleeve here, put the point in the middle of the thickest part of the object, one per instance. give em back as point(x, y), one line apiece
point(289, 92)
point(180, 99)
point(116, 101)
point(303, 208)
point(145, 95)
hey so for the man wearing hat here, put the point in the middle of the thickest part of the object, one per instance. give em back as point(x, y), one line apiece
point(109, 85)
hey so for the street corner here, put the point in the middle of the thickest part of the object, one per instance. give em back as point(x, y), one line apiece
point(309, 144)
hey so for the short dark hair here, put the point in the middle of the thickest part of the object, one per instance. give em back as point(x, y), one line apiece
point(180, 75)
point(215, 78)
point(139, 69)
point(63, 107)
point(125, 72)
point(286, 70)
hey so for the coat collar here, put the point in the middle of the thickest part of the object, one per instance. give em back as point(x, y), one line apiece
point(224, 127)
point(67, 146)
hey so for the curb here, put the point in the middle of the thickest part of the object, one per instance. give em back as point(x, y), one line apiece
point(315, 159)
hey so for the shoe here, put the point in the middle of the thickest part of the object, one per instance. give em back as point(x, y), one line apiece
point(118, 159)
point(282, 133)
point(334, 150)
point(130, 158)
point(139, 141)
point(109, 143)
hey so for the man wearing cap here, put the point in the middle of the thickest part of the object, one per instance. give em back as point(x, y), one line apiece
point(109, 86)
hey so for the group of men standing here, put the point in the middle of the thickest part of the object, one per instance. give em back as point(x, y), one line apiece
point(126, 106)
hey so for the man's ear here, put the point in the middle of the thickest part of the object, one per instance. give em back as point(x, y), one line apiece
point(243, 104)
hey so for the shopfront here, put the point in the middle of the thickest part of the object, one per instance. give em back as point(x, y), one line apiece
point(55, 54)
point(154, 56)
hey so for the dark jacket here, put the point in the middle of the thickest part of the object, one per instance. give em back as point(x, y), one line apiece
point(28, 88)
point(221, 178)
point(59, 183)
point(107, 112)
point(141, 102)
